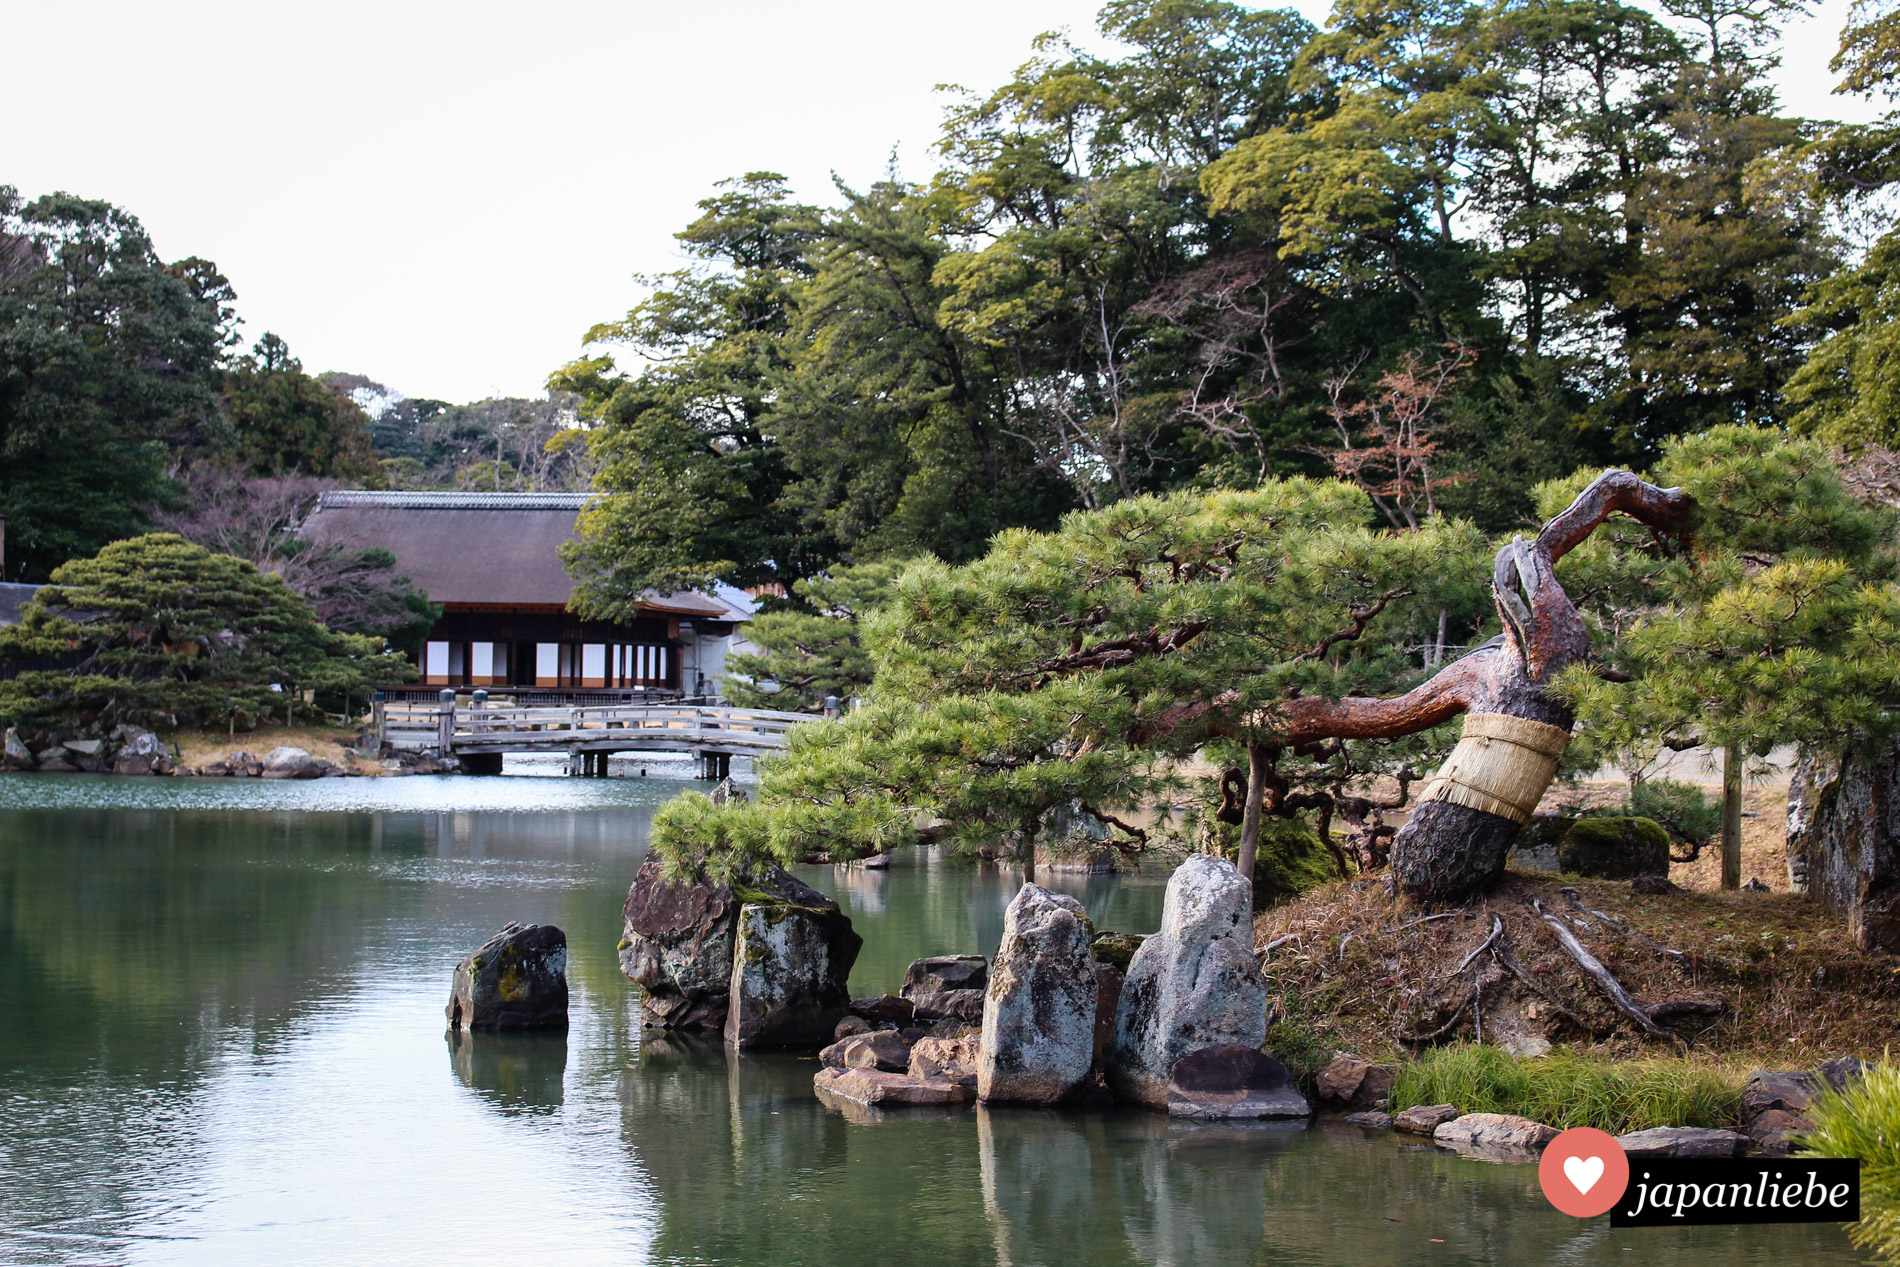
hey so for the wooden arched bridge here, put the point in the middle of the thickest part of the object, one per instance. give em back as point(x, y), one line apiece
point(479, 735)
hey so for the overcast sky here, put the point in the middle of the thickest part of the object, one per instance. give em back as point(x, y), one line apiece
point(446, 196)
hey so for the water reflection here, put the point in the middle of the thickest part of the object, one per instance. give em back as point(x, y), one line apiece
point(224, 1043)
point(515, 1073)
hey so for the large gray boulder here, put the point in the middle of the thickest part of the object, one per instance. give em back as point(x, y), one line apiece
point(1844, 838)
point(1039, 1012)
point(677, 947)
point(1192, 984)
point(791, 961)
point(517, 979)
point(290, 763)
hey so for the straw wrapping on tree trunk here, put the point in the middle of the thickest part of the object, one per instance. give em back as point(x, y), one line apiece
point(1502, 765)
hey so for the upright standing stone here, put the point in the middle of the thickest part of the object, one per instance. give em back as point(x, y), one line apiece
point(516, 980)
point(1039, 1012)
point(1193, 984)
point(677, 948)
point(1844, 838)
point(790, 966)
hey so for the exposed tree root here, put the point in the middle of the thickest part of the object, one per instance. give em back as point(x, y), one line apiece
point(1595, 970)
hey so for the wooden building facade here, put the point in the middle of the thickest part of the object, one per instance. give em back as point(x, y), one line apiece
point(492, 562)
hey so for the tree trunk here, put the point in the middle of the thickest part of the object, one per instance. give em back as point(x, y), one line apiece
point(1257, 762)
point(1448, 850)
point(1731, 817)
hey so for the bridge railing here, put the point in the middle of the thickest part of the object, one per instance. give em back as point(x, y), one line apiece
point(438, 726)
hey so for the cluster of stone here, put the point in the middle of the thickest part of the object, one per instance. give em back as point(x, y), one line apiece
point(1775, 1102)
point(765, 966)
point(121, 750)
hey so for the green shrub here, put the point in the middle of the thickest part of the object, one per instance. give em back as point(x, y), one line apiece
point(1864, 1122)
point(1566, 1090)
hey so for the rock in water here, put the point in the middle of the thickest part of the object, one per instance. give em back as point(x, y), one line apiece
point(790, 964)
point(1039, 1012)
point(1353, 1083)
point(882, 1050)
point(1422, 1119)
point(1193, 984)
point(1227, 1080)
point(290, 763)
point(947, 987)
point(1682, 1141)
point(516, 980)
point(873, 1086)
point(1494, 1134)
point(677, 947)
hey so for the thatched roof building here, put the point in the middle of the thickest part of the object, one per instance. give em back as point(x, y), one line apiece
point(492, 562)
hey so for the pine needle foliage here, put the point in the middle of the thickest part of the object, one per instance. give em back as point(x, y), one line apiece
point(1077, 671)
point(1864, 1122)
point(158, 631)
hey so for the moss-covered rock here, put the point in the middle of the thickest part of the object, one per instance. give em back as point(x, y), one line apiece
point(1116, 948)
point(1615, 848)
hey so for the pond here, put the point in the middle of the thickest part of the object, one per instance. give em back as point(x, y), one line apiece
point(222, 1040)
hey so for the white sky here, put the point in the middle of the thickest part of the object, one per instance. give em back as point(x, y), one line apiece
point(446, 196)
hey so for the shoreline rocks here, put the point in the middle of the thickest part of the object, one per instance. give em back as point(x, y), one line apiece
point(1502, 1135)
point(1040, 1008)
point(874, 1087)
point(1193, 984)
point(1424, 1119)
point(1352, 1083)
point(1682, 1141)
point(517, 979)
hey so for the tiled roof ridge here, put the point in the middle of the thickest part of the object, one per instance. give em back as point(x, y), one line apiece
point(453, 500)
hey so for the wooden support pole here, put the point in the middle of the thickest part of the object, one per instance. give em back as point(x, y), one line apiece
point(1731, 817)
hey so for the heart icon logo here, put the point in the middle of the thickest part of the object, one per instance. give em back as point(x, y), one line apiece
point(1583, 1172)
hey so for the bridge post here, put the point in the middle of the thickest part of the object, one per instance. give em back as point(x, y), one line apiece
point(445, 723)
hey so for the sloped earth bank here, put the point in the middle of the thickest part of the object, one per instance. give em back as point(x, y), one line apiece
point(1745, 979)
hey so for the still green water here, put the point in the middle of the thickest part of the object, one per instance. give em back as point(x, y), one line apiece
point(221, 1041)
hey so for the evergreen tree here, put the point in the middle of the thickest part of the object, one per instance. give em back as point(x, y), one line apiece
point(165, 633)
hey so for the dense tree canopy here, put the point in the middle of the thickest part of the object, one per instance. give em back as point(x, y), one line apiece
point(108, 363)
point(1181, 265)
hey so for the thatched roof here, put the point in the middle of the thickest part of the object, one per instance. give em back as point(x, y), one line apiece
point(501, 548)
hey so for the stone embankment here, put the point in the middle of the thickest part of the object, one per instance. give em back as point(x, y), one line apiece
point(130, 750)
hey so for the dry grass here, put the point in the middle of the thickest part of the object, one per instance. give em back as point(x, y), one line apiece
point(1362, 972)
point(327, 743)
